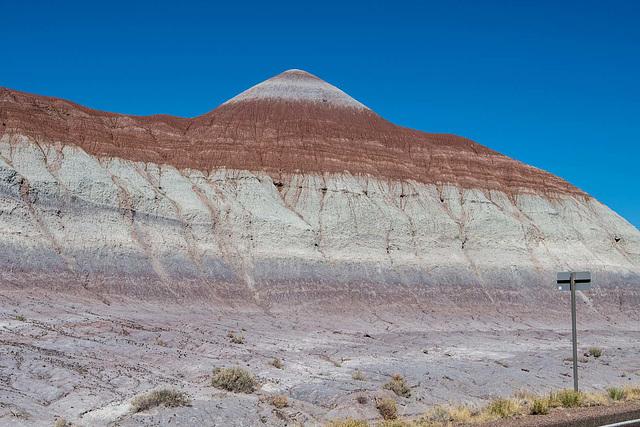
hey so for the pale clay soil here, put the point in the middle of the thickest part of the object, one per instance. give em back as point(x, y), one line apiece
point(85, 360)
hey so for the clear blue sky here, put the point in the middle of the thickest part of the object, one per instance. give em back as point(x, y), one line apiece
point(555, 84)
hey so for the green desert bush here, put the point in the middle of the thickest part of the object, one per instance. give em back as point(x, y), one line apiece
point(540, 406)
point(387, 408)
point(617, 393)
point(565, 398)
point(502, 408)
point(571, 398)
point(165, 397)
point(236, 380)
point(398, 385)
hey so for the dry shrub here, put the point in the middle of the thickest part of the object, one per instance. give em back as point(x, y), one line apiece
point(278, 401)
point(633, 393)
point(524, 400)
point(362, 399)
point(524, 394)
point(460, 414)
point(387, 408)
point(596, 352)
point(359, 376)
point(349, 422)
point(595, 399)
point(398, 385)
point(503, 408)
point(396, 423)
point(165, 397)
point(276, 363)
point(441, 414)
point(235, 339)
point(236, 380)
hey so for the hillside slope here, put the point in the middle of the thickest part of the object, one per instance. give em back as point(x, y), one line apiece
point(290, 193)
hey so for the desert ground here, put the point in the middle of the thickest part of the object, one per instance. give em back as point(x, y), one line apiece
point(84, 360)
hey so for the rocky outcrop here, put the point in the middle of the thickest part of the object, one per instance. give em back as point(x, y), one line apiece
point(290, 193)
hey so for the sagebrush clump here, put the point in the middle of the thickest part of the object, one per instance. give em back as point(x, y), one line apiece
point(398, 385)
point(164, 397)
point(236, 380)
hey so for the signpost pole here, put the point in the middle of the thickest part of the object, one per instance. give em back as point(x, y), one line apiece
point(574, 281)
point(574, 331)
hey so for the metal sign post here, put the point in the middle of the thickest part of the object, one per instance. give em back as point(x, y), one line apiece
point(574, 281)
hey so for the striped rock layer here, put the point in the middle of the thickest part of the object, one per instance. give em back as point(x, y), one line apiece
point(290, 193)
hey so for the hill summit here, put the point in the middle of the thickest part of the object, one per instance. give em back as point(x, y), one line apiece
point(298, 85)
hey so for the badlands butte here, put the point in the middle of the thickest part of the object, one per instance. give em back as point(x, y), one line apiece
point(335, 240)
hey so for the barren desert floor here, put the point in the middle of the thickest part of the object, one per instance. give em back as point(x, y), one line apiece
point(85, 360)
